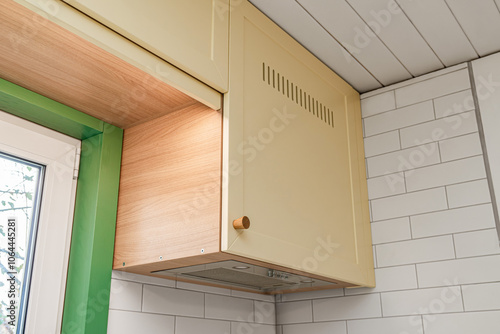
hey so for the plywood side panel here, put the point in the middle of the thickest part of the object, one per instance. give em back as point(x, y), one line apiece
point(169, 202)
point(39, 55)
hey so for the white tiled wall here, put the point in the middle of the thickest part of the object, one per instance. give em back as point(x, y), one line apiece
point(437, 251)
point(437, 255)
point(146, 305)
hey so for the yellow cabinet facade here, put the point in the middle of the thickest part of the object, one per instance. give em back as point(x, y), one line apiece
point(285, 153)
point(293, 156)
point(192, 35)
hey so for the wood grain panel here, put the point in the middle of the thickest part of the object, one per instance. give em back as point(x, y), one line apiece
point(39, 55)
point(169, 202)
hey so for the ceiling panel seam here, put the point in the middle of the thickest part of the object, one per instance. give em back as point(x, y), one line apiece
point(380, 39)
point(340, 44)
point(419, 32)
point(462, 28)
point(496, 4)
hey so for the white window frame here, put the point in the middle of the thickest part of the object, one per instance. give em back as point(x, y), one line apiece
point(60, 154)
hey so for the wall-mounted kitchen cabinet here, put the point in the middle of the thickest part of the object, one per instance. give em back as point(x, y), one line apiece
point(192, 35)
point(269, 195)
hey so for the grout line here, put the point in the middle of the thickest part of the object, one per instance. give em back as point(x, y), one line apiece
point(312, 310)
point(440, 235)
point(381, 307)
point(426, 189)
point(253, 310)
point(142, 297)
point(395, 99)
point(411, 229)
point(422, 78)
point(423, 143)
point(454, 246)
point(429, 212)
point(421, 123)
point(434, 108)
point(416, 277)
point(439, 261)
point(412, 104)
point(462, 295)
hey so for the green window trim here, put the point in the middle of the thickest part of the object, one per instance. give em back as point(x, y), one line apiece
point(91, 255)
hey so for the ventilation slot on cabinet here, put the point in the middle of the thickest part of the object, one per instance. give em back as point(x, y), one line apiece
point(287, 88)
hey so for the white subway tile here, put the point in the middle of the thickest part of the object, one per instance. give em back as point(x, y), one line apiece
point(455, 103)
point(251, 295)
point(379, 103)
point(312, 295)
point(440, 129)
point(403, 160)
point(423, 301)
point(294, 312)
point(383, 143)
point(399, 118)
point(453, 221)
point(397, 325)
point(345, 308)
point(124, 322)
point(125, 295)
point(433, 88)
point(250, 328)
point(205, 326)
point(415, 251)
point(391, 230)
point(463, 271)
point(172, 301)
point(463, 323)
point(409, 204)
point(386, 185)
point(482, 297)
point(202, 288)
point(445, 174)
point(228, 308)
point(337, 327)
point(390, 279)
point(409, 82)
point(469, 193)
point(460, 147)
point(265, 313)
point(122, 275)
point(477, 243)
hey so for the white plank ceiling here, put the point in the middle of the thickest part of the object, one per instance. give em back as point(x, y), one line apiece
point(376, 43)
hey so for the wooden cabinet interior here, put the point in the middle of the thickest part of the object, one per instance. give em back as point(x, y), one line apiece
point(69, 69)
point(169, 208)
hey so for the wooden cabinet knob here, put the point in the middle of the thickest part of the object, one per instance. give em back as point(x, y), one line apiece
point(242, 223)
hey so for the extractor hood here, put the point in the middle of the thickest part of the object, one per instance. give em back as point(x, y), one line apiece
point(245, 276)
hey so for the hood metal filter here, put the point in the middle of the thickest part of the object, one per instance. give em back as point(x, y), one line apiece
point(243, 275)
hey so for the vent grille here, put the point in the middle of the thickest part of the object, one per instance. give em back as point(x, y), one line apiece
point(295, 93)
point(240, 278)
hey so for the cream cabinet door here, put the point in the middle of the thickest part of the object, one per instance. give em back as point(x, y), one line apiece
point(192, 35)
point(293, 157)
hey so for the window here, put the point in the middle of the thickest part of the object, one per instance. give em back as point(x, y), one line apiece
point(37, 184)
